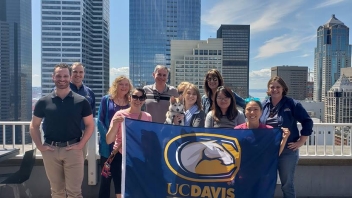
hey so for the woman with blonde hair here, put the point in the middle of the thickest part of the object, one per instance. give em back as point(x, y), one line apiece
point(116, 99)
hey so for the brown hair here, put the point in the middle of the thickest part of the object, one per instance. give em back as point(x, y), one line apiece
point(213, 73)
point(113, 89)
point(281, 82)
point(195, 88)
point(231, 112)
point(62, 66)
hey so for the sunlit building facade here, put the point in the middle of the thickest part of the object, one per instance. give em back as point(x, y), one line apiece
point(332, 53)
point(153, 24)
point(76, 31)
point(192, 59)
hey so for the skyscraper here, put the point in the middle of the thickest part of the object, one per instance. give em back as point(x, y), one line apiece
point(15, 60)
point(295, 78)
point(332, 53)
point(153, 23)
point(76, 31)
point(235, 62)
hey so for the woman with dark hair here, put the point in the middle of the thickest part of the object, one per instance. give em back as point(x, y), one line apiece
point(224, 113)
point(253, 111)
point(137, 100)
point(213, 80)
point(282, 111)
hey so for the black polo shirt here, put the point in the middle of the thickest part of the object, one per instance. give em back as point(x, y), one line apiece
point(62, 116)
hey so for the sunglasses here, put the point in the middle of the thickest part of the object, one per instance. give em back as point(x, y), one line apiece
point(140, 98)
point(215, 79)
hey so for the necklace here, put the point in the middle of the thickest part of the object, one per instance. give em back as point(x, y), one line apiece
point(119, 102)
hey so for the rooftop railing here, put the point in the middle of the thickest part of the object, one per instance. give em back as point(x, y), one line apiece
point(328, 141)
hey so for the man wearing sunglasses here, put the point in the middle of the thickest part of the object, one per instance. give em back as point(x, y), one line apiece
point(158, 94)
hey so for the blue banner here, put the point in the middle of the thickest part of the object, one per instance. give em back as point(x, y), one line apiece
point(165, 161)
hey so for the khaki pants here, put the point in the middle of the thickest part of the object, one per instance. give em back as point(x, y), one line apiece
point(65, 171)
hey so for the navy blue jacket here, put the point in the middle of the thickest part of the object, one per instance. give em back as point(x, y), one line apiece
point(87, 93)
point(289, 113)
point(206, 102)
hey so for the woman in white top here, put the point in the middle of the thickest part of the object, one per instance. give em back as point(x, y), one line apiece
point(224, 113)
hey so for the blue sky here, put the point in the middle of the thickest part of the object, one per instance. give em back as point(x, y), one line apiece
point(282, 32)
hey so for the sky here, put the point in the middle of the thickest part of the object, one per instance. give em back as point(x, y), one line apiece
point(282, 32)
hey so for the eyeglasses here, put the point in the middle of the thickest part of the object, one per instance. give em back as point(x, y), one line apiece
point(223, 99)
point(140, 98)
point(215, 79)
point(247, 100)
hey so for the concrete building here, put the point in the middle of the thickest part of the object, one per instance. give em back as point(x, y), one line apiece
point(295, 78)
point(235, 63)
point(332, 53)
point(310, 90)
point(347, 72)
point(153, 24)
point(76, 31)
point(338, 103)
point(191, 60)
point(314, 109)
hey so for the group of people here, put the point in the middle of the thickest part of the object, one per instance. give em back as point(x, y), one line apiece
point(216, 109)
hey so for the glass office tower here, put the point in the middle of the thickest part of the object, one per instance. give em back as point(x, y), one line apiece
point(153, 23)
point(332, 53)
point(15, 60)
point(77, 31)
point(235, 53)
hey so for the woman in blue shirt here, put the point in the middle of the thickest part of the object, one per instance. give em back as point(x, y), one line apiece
point(282, 111)
point(213, 80)
point(117, 99)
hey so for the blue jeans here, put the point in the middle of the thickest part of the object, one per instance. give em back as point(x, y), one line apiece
point(287, 166)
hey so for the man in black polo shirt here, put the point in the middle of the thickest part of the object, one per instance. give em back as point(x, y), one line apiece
point(62, 152)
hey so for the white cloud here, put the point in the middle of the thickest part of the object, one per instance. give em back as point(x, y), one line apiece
point(304, 55)
point(115, 72)
point(259, 78)
point(260, 15)
point(282, 44)
point(327, 3)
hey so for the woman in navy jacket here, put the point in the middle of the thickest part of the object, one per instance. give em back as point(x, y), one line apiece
point(282, 111)
point(213, 80)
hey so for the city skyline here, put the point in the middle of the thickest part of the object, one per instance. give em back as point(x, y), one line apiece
point(285, 38)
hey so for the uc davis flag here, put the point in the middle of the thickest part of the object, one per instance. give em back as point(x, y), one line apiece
point(166, 161)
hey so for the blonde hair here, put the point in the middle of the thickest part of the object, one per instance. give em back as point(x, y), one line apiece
point(195, 88)
point(113, 89)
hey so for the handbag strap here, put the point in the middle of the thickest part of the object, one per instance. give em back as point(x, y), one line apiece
point(120, 145)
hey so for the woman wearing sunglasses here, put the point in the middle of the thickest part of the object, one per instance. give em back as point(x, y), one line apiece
point(137, 99)
point(224, 113)
point(253, 111)
point(212, 81)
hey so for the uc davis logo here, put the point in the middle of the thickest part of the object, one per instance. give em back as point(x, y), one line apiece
point(203, 157)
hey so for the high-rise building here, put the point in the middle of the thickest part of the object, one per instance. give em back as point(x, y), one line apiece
point(338, 102)
point(295, 78)
point(15, 60)
point(153, 24)
point(332, 53)
point(76, 31)
point(192, 59)
point(235, 62)
point(347, 72)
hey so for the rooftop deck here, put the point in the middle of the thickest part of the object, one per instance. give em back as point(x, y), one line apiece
point(324, 167)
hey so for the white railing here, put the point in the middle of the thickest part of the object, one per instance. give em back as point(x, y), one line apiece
point(328, 141)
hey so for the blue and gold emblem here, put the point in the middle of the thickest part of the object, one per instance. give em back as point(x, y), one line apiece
point(203, 157)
